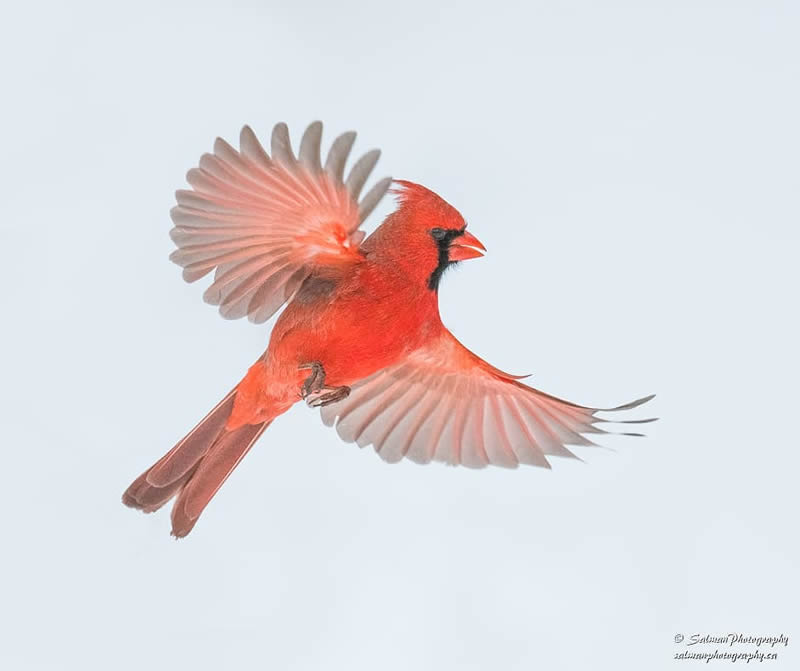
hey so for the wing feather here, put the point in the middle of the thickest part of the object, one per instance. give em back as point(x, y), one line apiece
point(281, 145)
point(264, 223)
point(373, 197)
point(338, 153)
point(499, 445)
point(360, 172)
point(310, 146)
point(251, 148)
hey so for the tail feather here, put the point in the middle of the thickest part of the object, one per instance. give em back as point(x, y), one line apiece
point(142, 495)
point(195, 468)
point(211, 473)
point(176, 463)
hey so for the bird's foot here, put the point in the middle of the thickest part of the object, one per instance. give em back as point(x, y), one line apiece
point(315, 382)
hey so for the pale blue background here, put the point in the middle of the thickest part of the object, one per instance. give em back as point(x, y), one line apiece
point(633, 170)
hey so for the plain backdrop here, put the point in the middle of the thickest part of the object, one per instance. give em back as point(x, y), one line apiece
point(633, 170)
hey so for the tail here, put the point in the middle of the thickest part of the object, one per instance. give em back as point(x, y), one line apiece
point(195, 468)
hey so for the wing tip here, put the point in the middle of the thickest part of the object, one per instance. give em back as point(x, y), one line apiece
point(628, 406)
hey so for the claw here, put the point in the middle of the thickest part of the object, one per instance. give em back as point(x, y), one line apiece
point(334, 395)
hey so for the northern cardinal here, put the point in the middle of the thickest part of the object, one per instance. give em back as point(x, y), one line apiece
point(361, 335)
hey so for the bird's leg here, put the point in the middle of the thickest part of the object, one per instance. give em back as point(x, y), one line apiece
point(315, 383)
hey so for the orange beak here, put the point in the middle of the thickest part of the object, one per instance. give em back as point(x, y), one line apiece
point(466, 246)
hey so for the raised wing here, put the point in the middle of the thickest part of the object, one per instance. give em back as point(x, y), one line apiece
point(264, 224)
point(444, 403)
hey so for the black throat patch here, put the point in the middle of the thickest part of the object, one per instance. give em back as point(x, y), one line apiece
point(444, 257)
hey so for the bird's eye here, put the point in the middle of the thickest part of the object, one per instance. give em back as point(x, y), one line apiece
point(438, 233)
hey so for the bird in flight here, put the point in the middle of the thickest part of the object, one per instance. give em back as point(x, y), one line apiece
point(360, 338)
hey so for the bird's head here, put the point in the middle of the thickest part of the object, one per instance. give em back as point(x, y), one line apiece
point(428, 234)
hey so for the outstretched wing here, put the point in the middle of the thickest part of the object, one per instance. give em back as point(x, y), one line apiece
point(444, 403)
point(264, 224)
